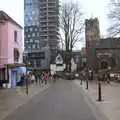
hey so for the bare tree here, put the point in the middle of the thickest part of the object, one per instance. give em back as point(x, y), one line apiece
point(114, 16)
point(71, 23)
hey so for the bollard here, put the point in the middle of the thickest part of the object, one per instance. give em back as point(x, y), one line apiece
point(99, 92)
point(27, 86)
point(86, 83)
point(81, 82)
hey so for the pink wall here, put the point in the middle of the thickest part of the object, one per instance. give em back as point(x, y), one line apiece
point(3, 43)
point(7, 43)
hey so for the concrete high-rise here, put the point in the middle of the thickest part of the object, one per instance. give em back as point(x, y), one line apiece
point(41, 32)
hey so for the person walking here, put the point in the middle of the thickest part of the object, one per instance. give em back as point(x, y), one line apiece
point(108, 78)
point(33, 78)
point(22, 81)
point(36, 78)
point(46, 77)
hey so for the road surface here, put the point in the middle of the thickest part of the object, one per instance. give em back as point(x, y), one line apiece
point(62, 101)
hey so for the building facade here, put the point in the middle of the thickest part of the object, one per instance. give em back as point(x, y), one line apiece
point(107, 53)
point(92, 30)
point(83, 58)
point(101, 53)
point(92, 35)
point(11, 49)
point(41, 32)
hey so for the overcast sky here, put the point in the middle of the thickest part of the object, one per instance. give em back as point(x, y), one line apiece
point(95, 8)
point(14, 8)
point(91, 8)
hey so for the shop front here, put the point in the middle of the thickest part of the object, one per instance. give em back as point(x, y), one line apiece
point(14, 74)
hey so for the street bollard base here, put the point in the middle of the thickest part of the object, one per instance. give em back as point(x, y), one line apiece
point(99, 100)
point(81, 83)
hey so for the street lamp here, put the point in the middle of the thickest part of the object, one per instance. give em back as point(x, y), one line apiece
point(26, 76)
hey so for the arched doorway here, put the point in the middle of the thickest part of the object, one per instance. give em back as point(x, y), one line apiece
point(104, 64)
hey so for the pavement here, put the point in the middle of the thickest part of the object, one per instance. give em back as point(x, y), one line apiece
point(12, 98)
point(64, 100)
point(110, 104)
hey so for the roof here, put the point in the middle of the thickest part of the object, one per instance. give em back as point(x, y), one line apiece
point(5, 17)
point(108, 43)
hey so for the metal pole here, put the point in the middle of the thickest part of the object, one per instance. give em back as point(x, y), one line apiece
point(27, 86)
point(87, 83)
point(81, 81)
point(99, 92)
point(26, 80)
point(7, 74)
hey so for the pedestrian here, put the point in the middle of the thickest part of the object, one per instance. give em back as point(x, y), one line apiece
point(33, 78)
point(39, 78)
point(42, 79)
point(36, 78)
point(46, 77)
point(54, 77)
point(108, 78)
point(84, 75)
point(22, 80)
point(91, 75)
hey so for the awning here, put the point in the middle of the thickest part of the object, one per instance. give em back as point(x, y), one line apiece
point(15, 65)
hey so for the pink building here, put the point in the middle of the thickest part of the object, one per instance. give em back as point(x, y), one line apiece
point(11, 49)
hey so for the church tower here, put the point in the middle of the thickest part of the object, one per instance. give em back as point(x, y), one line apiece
point(92, 35)
point(92, 31)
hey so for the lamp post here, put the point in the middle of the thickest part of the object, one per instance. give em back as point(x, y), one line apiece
point(26, 76)
point(26, 80)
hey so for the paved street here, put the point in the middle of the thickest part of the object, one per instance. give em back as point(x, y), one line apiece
point(62, 101)
point(110, 103)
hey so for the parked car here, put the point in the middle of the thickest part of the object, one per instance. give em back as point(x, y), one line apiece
point(77, 75)
point(69, 76)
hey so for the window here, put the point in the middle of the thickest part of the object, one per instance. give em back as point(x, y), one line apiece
point(42, 55)
point(28, 1)
point(31, 40)
point(33, 46)
point(36, 41)
point(26, 20)
point(37, 34)
point(31, 29)
point(33, 12)
point(26, 30)
point(33, 34)
point(15, 36)
point(16, 55)
point(29, 47)
point(38, 63)
point(38, 46)
point(44, 43)
point(31, 62)
point(29, 35)
point(36, 29)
